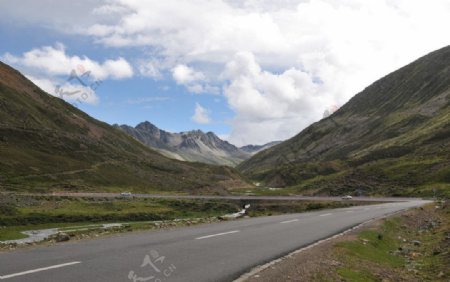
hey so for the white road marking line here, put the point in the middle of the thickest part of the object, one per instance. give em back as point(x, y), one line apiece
point(218, 234)
point(326, 214)
point(288, 221)
point(39, 269)
point(350, 211)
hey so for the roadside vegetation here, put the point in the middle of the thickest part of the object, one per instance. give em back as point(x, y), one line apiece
point(30, 212)
point(411, 247)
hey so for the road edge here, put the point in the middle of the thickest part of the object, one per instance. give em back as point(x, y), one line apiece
point(255, 270)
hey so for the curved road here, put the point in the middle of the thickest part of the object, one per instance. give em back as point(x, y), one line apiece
point(214, 252)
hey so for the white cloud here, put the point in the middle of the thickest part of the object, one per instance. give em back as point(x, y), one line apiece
point(59, 15)
point(151, 69)
point(55, 61)
point(71, 78)
point(73, 93)
point(195, 81)
point(45, 84)
point(269, 105)
point(185, 75)
point(201, 115)
point(280, 63)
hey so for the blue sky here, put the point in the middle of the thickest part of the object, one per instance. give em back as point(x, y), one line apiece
point(250, 71)
point(127, 101)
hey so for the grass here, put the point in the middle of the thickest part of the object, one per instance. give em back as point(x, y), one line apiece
point(31, 212)
point(374, 248)
point(387, 251)
point(355, 276)
point(11, 233)
point(39, 210)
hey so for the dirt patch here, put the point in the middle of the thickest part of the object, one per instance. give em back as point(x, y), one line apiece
point(313, 264)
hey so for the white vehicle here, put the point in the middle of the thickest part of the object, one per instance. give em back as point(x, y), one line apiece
point(347, 197)
point(125, 194)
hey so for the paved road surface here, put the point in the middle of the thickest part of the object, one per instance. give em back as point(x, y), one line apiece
point(214, 252)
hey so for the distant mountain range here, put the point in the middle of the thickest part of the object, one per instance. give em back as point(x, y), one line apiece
point(194, 146)
point(47, 144)
point(393, 138)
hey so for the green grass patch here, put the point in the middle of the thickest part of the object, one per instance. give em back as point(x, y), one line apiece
point(375, 247)
point(355, 276)
point(412, 246)
point(11, 233)
point(29, 210)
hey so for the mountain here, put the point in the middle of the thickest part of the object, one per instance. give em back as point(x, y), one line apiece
point(253, 149)
point(194, 146)
point(47, 144)
point(392, 138)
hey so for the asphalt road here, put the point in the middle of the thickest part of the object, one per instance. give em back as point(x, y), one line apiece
point(214, 252)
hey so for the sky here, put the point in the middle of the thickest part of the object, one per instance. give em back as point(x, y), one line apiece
point(250, 71)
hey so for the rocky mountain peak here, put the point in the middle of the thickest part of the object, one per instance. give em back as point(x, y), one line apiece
point(147, 126)
point(194, 145)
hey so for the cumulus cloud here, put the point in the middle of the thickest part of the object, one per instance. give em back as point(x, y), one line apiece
point(71, 78)
point(269, 105)
point(53, 60)
point(201, 115)
point(185, 75)
point(58, 15)
point(279, 63)
point(73, 93)
point(195, 81)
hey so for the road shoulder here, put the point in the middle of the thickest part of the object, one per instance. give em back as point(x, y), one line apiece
point(411, 246)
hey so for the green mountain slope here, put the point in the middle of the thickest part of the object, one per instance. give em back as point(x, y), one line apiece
point(47, 144)
point(392, 138)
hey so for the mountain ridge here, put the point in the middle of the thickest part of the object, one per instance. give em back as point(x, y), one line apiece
point(193, 145)
point(391, 138)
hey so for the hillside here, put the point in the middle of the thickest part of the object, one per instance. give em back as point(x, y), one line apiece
point(392, 138)
point(194, 146)
point(253, 149)
point(47, 144)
